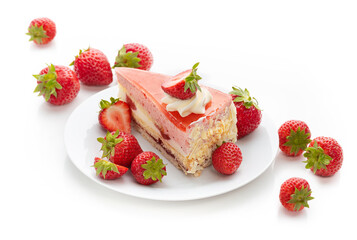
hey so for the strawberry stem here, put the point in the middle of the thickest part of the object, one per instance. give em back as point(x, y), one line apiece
point(104, 166)
point(106, 104)
point(80, 52)
point(316, 158)
point(297, 140)
point(154, 169)
point(36, 33)
point(300, 197)
point(47, 83)
point(109, 143)
point(191, 80)
point(127, 59)
point(244, 96)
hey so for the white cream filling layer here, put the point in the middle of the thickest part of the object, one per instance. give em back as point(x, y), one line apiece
point(195, 104)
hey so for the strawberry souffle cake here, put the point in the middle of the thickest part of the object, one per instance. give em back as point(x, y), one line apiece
point(182, 119)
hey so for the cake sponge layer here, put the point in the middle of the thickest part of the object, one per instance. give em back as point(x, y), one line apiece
point(203, 137)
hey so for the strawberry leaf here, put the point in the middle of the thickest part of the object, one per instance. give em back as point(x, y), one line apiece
point(47, 84)
point(127, 59)
point(109, 143)
point(103, 104)
point(196, 65)
point(244, 96)
point(297, 140)
point(80, 52)
point(154, 169)
point(300, 198)
point(191, 80)
point(316, 158)
point(104, 166)
point(37, 33)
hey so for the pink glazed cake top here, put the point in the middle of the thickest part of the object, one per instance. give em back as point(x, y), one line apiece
point(147, 87)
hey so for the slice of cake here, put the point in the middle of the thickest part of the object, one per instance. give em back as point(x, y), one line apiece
point(185, 131)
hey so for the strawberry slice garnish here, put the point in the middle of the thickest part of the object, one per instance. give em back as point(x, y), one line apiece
point(178, 85)
point(115, 115)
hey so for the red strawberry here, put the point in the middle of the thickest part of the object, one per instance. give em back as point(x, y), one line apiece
point(108, 170)
point(249, 114)
point(92, 67)
point(121, 148)
point(147, 168)
point(227, 158)
point(58, 84)
point(294, 194)
point(294, 135)
point(178, 85)
point(115, 115)
point(134, 55)
point(324, 156)
point(42, 30)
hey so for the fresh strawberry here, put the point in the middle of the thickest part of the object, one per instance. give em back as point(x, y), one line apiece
point(294, 136)
point(121, 148)
point(41, 30)
point(108, 170)
point(227, 158)
point(178, 85)
point(134, 55)
point(92, 67)
point(249, 114)
point(58, 84)
point(115, 115)
point(147, 168)
point(294, 194)
point(324, 156)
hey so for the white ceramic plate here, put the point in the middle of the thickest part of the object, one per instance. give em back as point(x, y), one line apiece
point(82, 130)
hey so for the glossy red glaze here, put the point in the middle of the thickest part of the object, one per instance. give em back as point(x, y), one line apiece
point(149, 85)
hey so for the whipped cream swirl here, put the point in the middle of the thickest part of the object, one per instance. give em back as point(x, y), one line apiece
point(196, 104)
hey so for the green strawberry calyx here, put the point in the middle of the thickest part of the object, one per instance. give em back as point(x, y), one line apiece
point(109, 143)
point(104, 166)
point(47, 83)
point(103, 104)
point(219, 145)
point(80, 52)
point(244, 97)
point(127, 59)
point(316, 158)
point(191, 80)
point(300, 198)
point(37, 33)
point(297, 140)
point(154, 169)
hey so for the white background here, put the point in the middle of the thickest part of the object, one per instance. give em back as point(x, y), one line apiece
point(298, 58)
